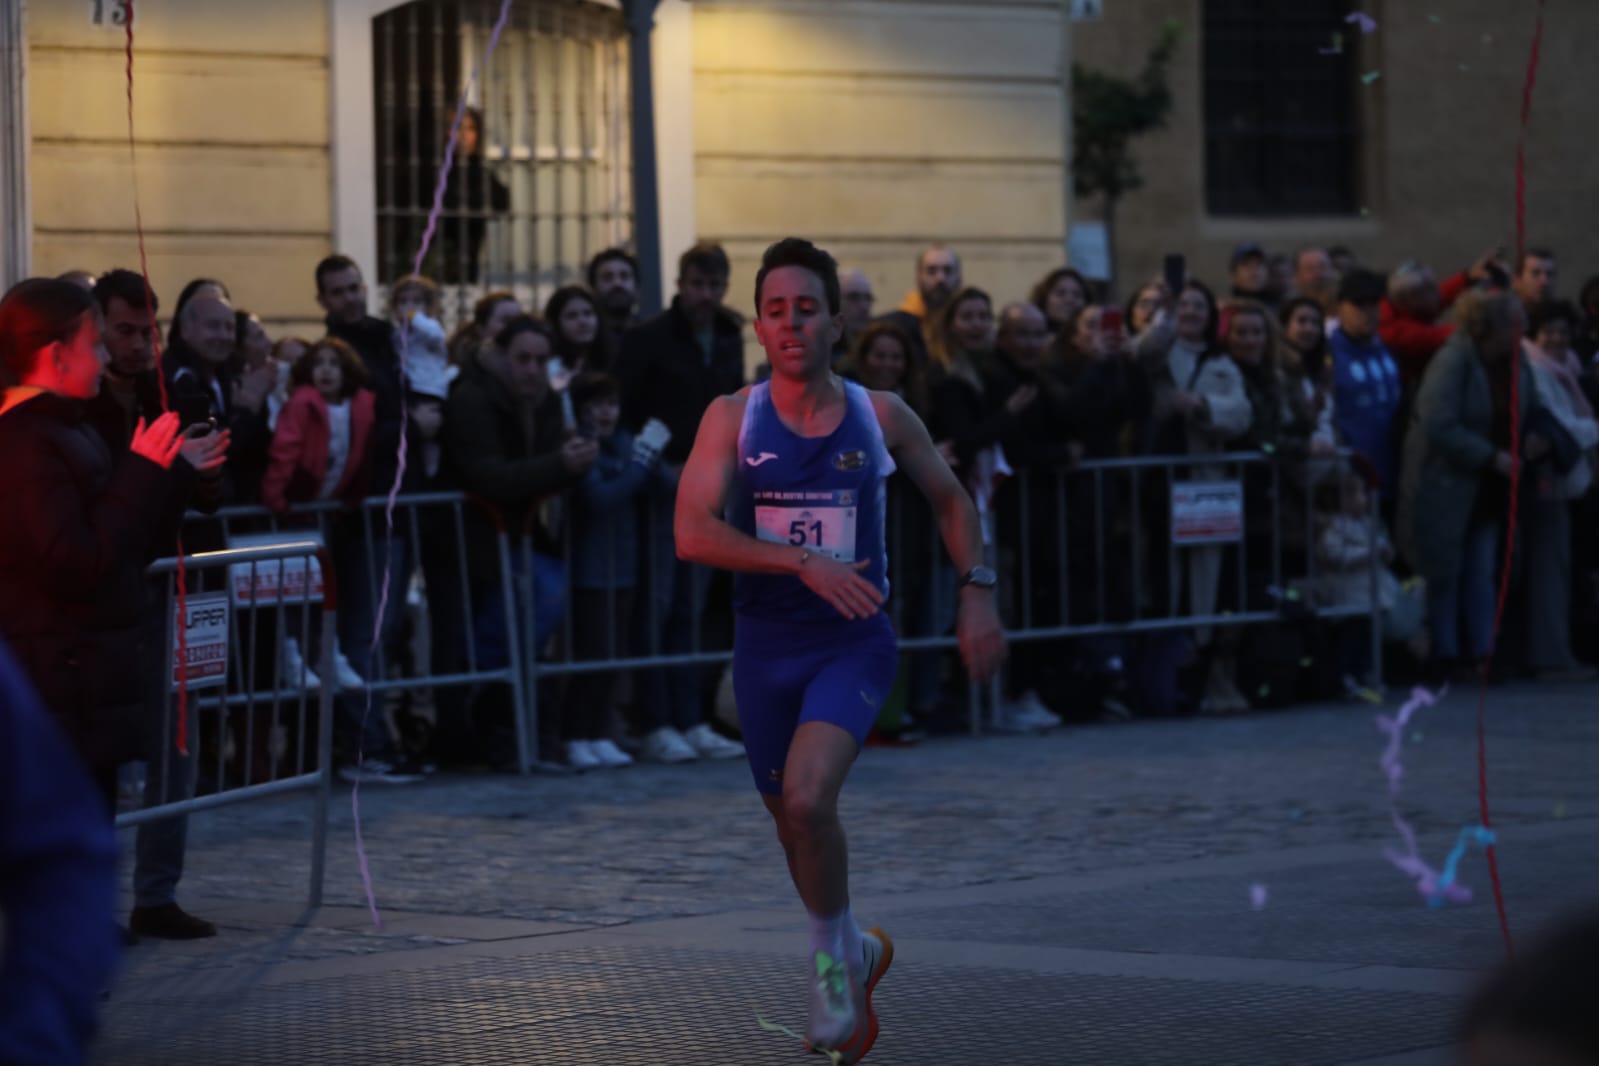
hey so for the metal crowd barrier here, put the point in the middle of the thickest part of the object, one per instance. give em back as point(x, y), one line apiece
point(281, 737)
point(430, 532)
point(1137, 520)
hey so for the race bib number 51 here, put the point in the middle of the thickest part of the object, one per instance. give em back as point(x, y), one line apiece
point(828, 531)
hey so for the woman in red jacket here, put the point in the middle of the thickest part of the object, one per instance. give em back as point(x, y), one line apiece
point(322, 447)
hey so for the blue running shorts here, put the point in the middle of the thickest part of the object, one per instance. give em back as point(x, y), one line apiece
point(789, 673)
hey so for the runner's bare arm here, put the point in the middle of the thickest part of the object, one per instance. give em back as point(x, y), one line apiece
point(702, 534)
point(982, 638)
point(916, 454)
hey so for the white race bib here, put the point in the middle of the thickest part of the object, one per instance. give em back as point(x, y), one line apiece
point(825, 530)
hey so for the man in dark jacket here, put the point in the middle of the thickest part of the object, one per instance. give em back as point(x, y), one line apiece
point(131, 391)
point(671, 368)
point(200, 382)
point(505, 442)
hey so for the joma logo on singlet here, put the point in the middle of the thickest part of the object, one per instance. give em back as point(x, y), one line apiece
point(757, 460)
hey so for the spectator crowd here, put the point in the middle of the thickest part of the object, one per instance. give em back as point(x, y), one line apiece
point(1385, 414)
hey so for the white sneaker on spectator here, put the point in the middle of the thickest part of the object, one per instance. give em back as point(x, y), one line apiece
point(609, 754)
point(291, 665)
point(377, 772)
point(346, 674)
point(712, 745)
point(580, 755)
point(1027, 714)
point(667, 745)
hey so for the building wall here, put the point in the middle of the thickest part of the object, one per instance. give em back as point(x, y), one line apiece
point(1440, 133)
point(877, 126)
point(231, 115)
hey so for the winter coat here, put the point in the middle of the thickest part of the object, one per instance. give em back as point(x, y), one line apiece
point(1412, 341)
point(1448, 449)
point(605, 517)
point(1368, 393)
point(512, 462)
point(1227, 414)
point(115, 424)
point(665, 374)
point(72, 557)
point(247, 452)
point(373, 340)
point(1561, 394)
point(298, 464)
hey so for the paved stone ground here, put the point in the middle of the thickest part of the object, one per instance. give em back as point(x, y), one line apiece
point(1081, 897)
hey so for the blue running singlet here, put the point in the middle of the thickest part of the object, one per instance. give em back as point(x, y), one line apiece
point(795, 658)
point(826, 494)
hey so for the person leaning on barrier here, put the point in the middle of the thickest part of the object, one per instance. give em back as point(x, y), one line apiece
point(604, 535)
point(82, 528)
point(58, 879)
point(504, 443)
point(1199, 403)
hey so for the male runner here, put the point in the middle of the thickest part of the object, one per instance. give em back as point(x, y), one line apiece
point(785, 487)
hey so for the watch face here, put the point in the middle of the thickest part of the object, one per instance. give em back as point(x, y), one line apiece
point(982, 577)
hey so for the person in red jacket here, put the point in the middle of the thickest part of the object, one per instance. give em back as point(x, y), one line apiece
point(322, 447)
point(1408, 319)
point(323, 450)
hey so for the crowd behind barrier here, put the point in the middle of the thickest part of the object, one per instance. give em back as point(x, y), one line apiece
point(1315, 466)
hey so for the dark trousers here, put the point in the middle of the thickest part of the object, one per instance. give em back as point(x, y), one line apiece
point(599, 631)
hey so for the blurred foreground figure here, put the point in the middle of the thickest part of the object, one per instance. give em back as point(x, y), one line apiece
point(58, 869)
point(1538, 1009)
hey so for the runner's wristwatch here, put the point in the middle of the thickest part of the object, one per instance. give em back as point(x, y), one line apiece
point(981, 576)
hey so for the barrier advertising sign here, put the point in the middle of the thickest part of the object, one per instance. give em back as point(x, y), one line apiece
point(274, 578)
point(203, 662)
point(1206, 512)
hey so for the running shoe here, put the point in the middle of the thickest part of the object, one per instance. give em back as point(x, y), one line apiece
point(838, 1004)
point(879, 956)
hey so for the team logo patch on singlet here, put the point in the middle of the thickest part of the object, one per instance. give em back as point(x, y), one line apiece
point(851, 460)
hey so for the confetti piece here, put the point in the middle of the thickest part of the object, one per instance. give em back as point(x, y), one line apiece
point(1337, 48)
point(834, 1057)
point(1435, 18)
point(1415, 738)
point(1257, 896)
point(1366, 23)
point(1560, 810)
point(1365, 212)
point(1464, 67)
point(1370, 76)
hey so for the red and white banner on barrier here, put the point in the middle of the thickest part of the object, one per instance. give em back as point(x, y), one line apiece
point(1206, 512)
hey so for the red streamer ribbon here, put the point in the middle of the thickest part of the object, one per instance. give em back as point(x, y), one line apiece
point(1534, 57)
point(182, 649)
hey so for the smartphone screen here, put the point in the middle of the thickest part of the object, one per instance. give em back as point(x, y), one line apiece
point(1175, 271)
point(1110, 320)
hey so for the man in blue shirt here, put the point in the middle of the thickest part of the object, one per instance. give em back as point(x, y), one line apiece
point(58, 870)
point(1366, 388)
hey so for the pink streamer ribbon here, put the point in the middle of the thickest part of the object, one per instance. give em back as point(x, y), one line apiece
point(1436, 887)
point(399, 471)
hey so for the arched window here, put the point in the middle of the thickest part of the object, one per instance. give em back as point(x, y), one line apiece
point(540, 178)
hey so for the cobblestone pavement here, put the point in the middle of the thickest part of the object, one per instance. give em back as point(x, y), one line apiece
point(1080, 897)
